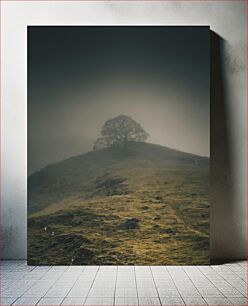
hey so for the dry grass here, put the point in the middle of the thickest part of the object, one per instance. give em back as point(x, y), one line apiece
point(133, 211)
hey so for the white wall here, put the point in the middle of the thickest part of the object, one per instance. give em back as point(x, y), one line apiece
point(226, 18)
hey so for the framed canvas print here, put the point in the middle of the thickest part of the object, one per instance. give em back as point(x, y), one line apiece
point(118, 145)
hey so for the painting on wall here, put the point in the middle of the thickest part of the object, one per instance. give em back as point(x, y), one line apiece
point(118, 145)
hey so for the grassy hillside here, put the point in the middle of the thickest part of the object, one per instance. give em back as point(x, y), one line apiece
point(148, 206)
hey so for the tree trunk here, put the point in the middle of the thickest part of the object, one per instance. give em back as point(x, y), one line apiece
point(125, 144)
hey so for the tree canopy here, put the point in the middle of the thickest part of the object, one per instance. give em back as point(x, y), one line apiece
point(119, 131)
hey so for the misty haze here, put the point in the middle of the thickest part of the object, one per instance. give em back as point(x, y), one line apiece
point(79, 77)
point(118, 145)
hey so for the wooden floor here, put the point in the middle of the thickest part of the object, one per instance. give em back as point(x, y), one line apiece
point(123, 285)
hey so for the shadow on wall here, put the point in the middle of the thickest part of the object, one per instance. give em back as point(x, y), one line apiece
point(224, 230)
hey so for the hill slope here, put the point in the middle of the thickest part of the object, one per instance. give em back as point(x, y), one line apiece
point(148, 206)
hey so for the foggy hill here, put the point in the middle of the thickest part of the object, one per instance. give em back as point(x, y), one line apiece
point(96, 173)
point(147, 206)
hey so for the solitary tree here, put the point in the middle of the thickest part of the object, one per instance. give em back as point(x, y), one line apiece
point(119, 131)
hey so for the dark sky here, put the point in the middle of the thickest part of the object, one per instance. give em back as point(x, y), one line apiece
point(78, 77)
